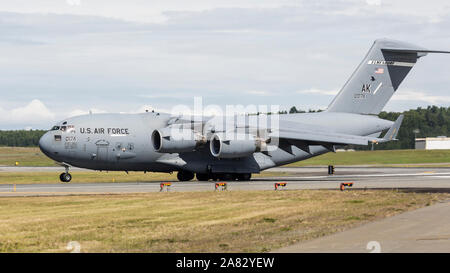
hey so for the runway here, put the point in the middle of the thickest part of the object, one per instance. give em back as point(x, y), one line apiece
point(416, 179)
point(425, 230)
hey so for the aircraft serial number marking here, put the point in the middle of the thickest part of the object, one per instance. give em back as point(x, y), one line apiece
point(113, 131)
point(376, 62)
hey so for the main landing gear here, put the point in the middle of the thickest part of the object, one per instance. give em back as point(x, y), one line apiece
point(224, 176)
point(186, 176)
point(65, 176)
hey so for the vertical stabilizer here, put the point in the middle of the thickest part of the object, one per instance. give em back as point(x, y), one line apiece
point(377, 77)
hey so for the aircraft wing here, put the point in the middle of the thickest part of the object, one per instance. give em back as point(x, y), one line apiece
point(302, 137)
point(325, 137)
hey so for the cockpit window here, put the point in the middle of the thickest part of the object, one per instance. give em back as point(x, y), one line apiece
point(68, 128)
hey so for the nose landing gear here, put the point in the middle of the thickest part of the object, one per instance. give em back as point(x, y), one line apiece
point(65, 176)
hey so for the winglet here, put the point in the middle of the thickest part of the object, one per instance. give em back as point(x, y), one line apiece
point(393, 131)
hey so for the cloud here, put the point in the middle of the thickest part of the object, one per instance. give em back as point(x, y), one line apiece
point(258, 93)
point(118, 58)
point(33, 113)
point(158, 12)
point(373, 2)
point(420, 96)
point(166, 95)
point(318, 92)
point(224, 19)
point(40, 29)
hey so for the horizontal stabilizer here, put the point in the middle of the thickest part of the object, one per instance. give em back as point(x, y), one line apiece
point(410, 50)
point(393, 131)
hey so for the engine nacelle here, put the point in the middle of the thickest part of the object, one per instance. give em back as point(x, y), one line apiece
point(239, 145)
point(176, 140)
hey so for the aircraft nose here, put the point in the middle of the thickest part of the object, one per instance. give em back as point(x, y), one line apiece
point(45, 143)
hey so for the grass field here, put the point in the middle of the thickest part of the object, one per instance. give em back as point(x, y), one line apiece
point(34, 157)
point(25, 156)
point(387, 157)
point(250, 221)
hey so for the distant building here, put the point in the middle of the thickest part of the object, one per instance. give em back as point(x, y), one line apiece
point(433, 143)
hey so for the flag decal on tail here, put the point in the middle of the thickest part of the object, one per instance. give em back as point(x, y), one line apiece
point(379, 70)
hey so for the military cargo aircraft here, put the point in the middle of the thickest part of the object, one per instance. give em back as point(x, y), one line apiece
point(209, 148)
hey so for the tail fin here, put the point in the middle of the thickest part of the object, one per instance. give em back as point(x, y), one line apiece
point(377, 77)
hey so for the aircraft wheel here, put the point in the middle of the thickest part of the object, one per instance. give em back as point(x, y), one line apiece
point(185, 175)
point(202, 176)
point(214, 177)
point(65, 177)
point(226, 177)
point(244, 176)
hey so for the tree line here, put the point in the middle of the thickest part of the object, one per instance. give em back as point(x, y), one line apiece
point(421, 122)
point(21, 138)
point(432, 121)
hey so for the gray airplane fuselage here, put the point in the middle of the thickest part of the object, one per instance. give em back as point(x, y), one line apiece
point(122, 142)
point(157, 142)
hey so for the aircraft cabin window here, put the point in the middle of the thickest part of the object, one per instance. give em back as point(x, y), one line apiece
point(57, 138)
point(54, 128)
point(63, 128)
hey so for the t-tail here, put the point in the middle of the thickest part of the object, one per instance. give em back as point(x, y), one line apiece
point(377, 77)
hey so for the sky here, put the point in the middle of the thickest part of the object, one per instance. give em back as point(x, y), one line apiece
point(62, 58)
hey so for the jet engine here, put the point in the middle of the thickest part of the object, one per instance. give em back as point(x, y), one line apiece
point(235, 145)
point(176, 140)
